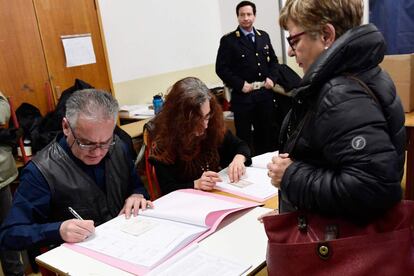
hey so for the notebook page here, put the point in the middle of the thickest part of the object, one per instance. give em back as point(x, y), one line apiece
point(255, 184)
point(261, 161)
point(140, 240)
point(188, 207)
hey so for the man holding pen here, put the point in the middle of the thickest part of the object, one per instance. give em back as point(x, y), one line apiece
point(87, 168)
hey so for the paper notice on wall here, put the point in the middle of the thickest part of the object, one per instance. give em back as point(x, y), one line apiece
point(78, 49)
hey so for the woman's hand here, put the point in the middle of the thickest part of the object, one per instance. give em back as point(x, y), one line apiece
point(277, 168)
point(207, 181)
point(236, 168)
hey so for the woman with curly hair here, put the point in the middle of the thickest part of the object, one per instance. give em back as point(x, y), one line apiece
point(191, 142)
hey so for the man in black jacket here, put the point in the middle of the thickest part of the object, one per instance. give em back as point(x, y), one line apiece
point(246, 62)
point(88, 167)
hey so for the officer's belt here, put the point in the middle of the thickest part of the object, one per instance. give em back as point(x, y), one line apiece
point(257, 85)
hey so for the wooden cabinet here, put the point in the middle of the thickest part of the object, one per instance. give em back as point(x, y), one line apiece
point(32, 57)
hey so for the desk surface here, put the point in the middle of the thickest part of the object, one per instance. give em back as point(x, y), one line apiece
point(409, 119)
point(243, 239)
point(134, 129)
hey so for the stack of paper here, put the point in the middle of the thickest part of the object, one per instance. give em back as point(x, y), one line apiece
point(136, 111)
point(141, 243)
point(255, 184)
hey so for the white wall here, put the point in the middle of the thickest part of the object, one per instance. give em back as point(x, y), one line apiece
point(267, 14)
point(147, 38)
point(291, 61)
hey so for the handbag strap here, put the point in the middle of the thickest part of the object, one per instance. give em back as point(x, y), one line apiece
point(366, 88)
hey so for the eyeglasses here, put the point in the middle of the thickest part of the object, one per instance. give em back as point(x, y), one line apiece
point(92, 146)
point(292, 40)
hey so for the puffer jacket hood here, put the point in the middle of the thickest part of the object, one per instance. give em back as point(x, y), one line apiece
point(357, 50)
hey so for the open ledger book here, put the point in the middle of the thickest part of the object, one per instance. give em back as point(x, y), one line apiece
point(140, 243)
point(255, 184)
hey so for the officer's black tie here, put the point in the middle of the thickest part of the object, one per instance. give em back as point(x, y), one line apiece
point(250, 36)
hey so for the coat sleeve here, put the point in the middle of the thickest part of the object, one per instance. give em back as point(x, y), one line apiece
point(231, 146)
point(358, 173)
point(167, 178)
point(26, 224)
point(224, 65)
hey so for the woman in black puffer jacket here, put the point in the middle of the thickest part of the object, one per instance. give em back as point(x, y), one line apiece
point(344, 139)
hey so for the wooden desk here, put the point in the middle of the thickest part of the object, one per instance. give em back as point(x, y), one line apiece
point(271, 203)
point(409, 173)
point(243, 239)
point(134, 129)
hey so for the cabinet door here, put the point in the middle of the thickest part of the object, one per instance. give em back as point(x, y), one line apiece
point(70, 17)
point(23, 72)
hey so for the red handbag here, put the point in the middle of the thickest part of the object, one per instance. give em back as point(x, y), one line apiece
point(304, 243)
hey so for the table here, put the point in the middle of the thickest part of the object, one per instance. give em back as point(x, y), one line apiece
point(409, 172)
point(134, 129)
point(230, 241)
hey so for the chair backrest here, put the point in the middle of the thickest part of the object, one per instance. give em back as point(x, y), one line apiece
point(26, 158)
point(153, 185)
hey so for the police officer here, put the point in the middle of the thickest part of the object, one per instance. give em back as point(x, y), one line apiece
point(246, 62)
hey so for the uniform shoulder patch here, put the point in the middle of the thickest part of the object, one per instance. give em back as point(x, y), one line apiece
point(236, 33)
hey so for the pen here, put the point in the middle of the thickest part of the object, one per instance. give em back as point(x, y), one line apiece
point(73, 212)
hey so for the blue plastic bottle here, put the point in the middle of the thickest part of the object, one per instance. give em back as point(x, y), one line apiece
point(157, 103)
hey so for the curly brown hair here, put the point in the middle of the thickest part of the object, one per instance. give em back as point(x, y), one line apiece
point(176, 126)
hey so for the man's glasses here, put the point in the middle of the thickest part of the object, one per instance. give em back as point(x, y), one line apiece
point(91, 146)
point(293, 39)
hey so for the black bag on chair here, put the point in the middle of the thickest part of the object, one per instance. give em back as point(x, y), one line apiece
point(288, 78)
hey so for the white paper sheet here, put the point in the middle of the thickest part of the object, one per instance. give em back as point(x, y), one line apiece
point(135, 110)
point(255, 184)
point(197, 261)
point(78, 50)
point(146, 248)
point(261, 161)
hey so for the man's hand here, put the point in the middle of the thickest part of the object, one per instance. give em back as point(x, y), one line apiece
point(247, 87)
point(268, 84)
point(236, 168)
point(207, 181)
point(277, 168)
point(133, 204)
point(76, 230)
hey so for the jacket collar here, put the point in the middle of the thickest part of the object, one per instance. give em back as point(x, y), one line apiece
point(357, 50)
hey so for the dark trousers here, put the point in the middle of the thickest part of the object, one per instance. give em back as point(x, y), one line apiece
point(253, 122)
point(10, 260)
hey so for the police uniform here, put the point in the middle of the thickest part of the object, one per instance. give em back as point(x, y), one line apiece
point(239, 60)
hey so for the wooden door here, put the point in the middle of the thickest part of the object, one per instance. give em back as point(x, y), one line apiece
point(23, 72)
point(70, 17)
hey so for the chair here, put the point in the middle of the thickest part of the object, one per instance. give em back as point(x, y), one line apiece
point(33, 252)
point(25, 158)
point(153, 185)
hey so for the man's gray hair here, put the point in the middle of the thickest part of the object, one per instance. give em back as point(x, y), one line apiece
point(93, 104)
